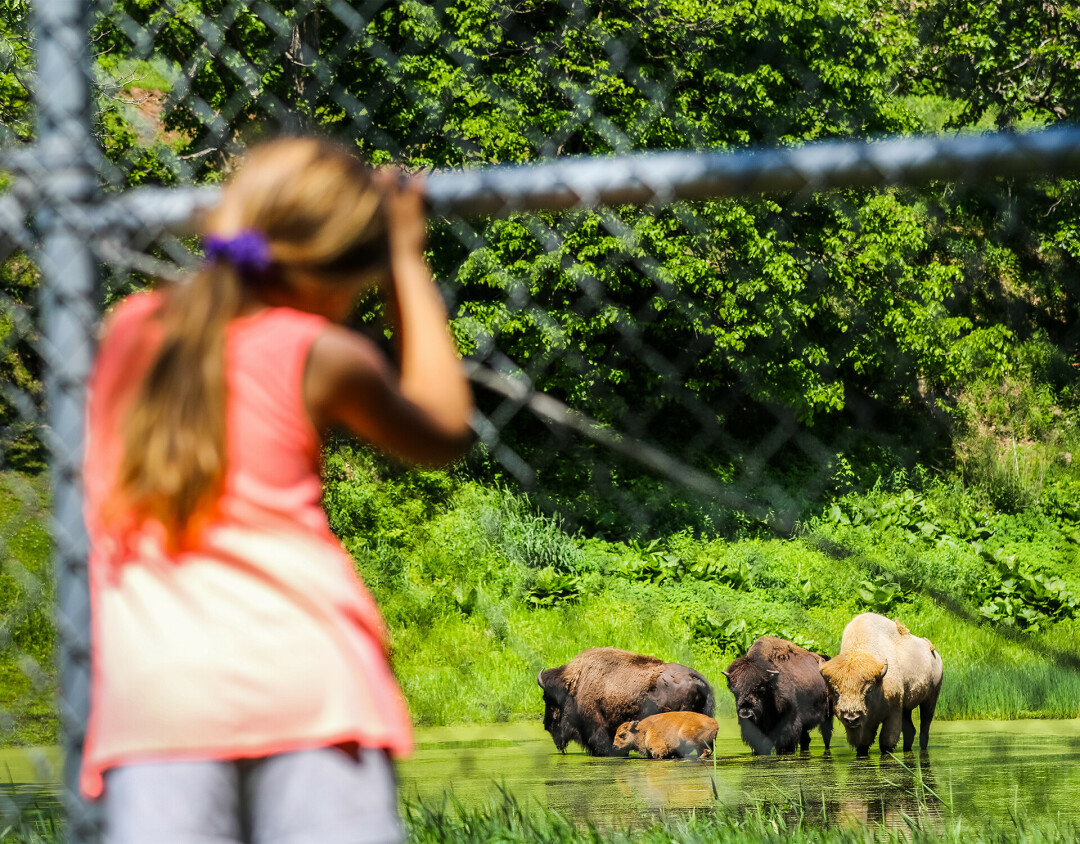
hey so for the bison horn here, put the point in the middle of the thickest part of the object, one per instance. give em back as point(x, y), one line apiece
point(726, 674)
point(540, 678)
point(774, 673)
point(883, 672)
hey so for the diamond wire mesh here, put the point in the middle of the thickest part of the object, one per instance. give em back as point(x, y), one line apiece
point(636, 369)
point(28, 638)
point(397, 81)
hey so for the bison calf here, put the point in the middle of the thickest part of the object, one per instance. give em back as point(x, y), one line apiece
point(669, 735)
point(779, 696)
point(588, 698)
point(880, 675)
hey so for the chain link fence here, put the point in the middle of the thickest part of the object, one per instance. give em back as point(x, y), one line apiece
point(692, 283)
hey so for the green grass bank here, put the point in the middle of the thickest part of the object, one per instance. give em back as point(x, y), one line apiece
point(481, 591)
point(27, 634)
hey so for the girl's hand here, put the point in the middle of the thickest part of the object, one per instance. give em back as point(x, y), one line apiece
point(404, 209)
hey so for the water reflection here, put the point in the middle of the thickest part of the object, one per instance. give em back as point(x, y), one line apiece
point(29, 783)
point(979, 769)
point(885, 790)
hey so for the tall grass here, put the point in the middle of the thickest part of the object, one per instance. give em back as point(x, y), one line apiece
point(33, 824)
point(1034, 690)
point(505, 820)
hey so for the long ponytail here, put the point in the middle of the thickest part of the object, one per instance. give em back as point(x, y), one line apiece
point(173, 436)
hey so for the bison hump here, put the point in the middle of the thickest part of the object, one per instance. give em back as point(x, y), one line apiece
point(776, 650)
point(600, 672)
point(612, 658)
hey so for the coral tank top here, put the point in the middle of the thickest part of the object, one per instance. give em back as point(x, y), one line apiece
point(260, 638)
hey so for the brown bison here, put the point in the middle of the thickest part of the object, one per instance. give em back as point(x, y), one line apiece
point(880, 675)
point(669, 735)
point(588, 698)
point(779, 696)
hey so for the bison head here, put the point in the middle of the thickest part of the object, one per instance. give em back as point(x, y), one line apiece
point(854, 681)
point(557, 703)
point(626, 736)
point(752, 683)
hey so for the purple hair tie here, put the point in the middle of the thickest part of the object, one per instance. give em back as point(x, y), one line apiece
point(247, 251)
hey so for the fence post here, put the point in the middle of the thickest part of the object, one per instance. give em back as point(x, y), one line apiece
point(68, 184)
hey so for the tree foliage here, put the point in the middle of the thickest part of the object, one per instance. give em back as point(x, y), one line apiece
point(1012, 61)
point(871, 308)
point(15, 71)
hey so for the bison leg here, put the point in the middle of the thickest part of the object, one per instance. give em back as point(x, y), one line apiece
point(909, 731)
point(926, 715)
point(687, 748)
point(786, 734)
point(804, 741)
point(890, 732)
point(826, 731)
point(759, 743)
point(600, 743)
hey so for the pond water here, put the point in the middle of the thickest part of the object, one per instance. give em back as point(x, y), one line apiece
point(978, 769)
point(29, 778)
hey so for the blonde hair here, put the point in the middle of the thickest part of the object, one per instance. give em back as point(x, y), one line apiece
point(319, 211)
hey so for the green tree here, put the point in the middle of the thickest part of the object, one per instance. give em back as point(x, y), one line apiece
point(726, 316)
point(15, 72)
point(1006, 60)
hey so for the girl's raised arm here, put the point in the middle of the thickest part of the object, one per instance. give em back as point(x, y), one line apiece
point(420, 413)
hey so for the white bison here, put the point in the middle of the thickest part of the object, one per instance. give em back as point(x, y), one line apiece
point(880, 675)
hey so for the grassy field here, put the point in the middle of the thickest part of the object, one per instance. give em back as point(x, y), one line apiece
point(27, 677)
point(480, 592)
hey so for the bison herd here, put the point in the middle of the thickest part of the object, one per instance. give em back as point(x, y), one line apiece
point(612, 701)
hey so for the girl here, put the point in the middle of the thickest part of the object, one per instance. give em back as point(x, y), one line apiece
point(240, 685)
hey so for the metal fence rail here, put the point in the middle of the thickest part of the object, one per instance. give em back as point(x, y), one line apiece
point(69, 210)
point(651, 178)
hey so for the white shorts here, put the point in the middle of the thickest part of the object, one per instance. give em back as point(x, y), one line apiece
point(326, 795)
